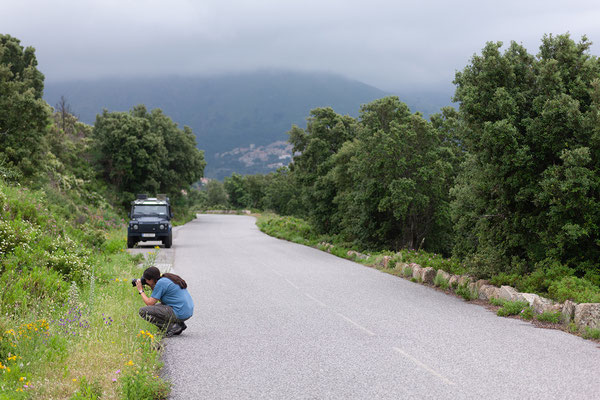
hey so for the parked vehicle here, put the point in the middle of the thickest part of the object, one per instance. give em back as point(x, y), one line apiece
point(150, 220)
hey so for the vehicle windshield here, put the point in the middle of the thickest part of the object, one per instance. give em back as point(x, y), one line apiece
point(149, 210)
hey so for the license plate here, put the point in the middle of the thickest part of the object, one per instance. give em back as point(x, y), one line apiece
point(148, 235)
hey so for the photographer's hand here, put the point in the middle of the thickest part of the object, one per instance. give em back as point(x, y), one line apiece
point(138, 284)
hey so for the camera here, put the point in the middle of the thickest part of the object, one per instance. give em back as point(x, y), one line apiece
point(134, 281)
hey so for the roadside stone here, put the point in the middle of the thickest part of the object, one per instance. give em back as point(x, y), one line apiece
point(568, 312)
point(542, 304)
point(408, 268)
point(481, 282)
point(386, 261)
point(464, 280)
point(416, 271)
point(487, 292)
point(428, 275)
point(356, 254)
point(587, 315)
point(443, 275)
point(530, 297)
point(453, 281)
point(473, 288)
point(509, 293)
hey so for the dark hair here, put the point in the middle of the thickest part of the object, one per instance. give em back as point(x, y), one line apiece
point(154, 274)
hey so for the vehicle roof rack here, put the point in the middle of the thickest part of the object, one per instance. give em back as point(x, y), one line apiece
point(141, 197)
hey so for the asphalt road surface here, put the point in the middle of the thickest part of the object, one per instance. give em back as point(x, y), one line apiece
point(276, 320)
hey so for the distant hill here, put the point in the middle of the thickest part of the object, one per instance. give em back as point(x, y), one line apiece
point(237, 119)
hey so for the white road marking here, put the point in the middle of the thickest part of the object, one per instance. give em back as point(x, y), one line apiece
point(357, 325)
point(425, 367)
point(290, 282)
point(315, 300)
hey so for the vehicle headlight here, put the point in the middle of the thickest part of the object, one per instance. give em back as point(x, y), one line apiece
point(135, 227)
point(162, 227)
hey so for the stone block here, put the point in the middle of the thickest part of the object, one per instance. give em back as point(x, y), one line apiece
point(587, 315)
point(542, 304)
point(428, 275)
point(441, 274)
point(416, 271)
point(453, 281)
point(568, 312)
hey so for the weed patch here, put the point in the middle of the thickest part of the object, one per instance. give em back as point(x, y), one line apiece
point(512, 308)
point(549, 316)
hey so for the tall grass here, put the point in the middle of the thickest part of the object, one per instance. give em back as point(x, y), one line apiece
point(69, 326)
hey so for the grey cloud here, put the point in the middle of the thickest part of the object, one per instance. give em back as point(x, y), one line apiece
point(389, 44)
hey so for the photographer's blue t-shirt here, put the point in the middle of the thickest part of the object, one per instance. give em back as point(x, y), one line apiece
point(171, 294)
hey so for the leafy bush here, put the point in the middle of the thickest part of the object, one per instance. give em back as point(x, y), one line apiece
point(466, 293)
point(527, 313)
point(441, 282)
point(576, 289)
point(591, 333)
point(512, 308)
point(549, 316)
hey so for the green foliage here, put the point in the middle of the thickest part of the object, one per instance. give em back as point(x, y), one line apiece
point(529, 188)
point(145, 152)
point(496, 301)
point(24, 115)
point(466, 293)
point(549, 316)
point(88, 391)
point(576, 289)
point(591, 333)
point(527, 313)
point(216, 196)
point(439, 281)
point(289, 228)
point(143, 386)
point(512, 308)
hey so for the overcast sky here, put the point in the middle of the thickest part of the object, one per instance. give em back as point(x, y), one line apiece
point(385, 43)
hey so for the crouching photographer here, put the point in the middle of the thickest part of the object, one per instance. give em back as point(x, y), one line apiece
point(176, 305)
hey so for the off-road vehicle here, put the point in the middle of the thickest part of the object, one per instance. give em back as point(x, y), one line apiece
point(150, 220)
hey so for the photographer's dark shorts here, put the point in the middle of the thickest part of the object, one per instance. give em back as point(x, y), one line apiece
point(160, 315)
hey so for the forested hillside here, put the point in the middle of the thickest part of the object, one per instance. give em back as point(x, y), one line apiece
point(231, 112)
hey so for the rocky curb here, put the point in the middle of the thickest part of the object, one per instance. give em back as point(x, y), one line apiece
point(583, 315)
point(580, 315)
point(235, 212)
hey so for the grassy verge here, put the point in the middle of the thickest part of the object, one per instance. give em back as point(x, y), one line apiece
point(68, 314)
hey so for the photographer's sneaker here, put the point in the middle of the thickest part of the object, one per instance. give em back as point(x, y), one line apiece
point(174, 329)
point(183, 328)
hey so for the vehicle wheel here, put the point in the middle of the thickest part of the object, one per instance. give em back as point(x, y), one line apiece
point(130, 243)
point(168, 242)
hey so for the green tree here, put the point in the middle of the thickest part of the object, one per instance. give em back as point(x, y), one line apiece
point(146, 152)
point(234, 186)
point(24, 115)
point(393, 181)
point(528, 189)
point(216, 196)
point(314, 148)
point(283, 193)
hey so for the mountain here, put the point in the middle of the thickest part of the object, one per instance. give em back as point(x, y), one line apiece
point(240, 120)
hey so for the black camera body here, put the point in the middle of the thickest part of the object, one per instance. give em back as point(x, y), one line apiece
point(134, 281)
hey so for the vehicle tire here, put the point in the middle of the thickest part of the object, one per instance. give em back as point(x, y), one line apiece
point(130, 243)
point(168, 242)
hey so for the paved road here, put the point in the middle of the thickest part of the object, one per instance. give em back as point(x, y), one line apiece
point(275, 320)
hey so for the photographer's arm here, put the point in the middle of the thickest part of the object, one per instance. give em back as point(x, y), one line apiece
point(149, 301)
